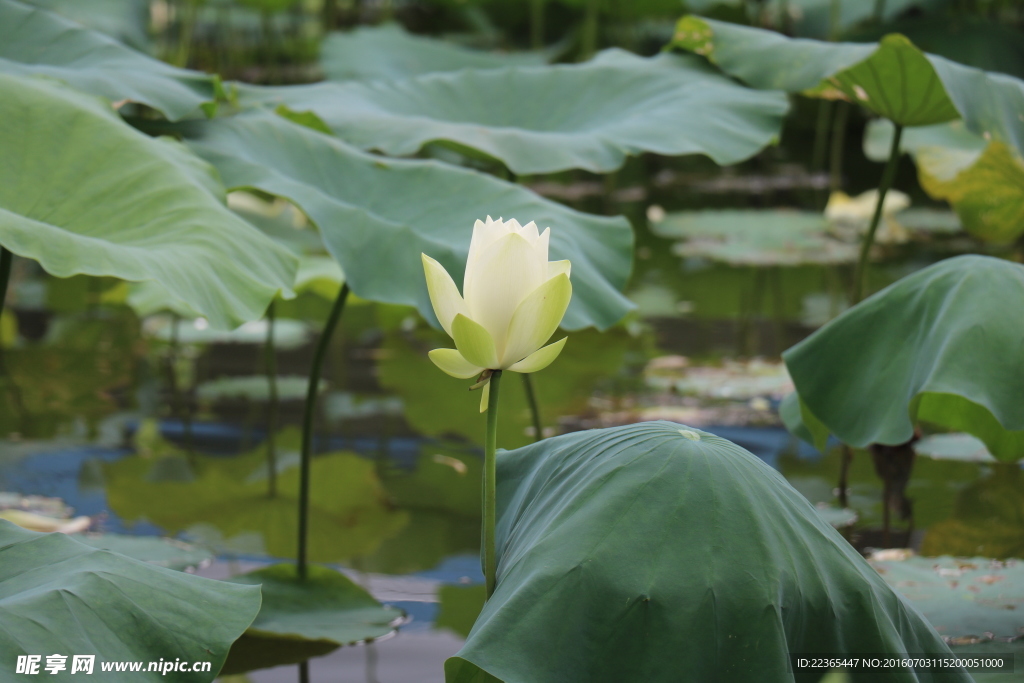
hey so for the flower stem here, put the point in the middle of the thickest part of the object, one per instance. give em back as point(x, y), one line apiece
point(270, 365)
point(307, 425)
point(490, 484)
point(531, 399)
point(888, 175)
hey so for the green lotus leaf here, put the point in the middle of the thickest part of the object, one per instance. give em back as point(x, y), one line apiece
point(326, 607)
point(813, 18)
point(957, 447)
point(673, 550)
point(982, 180)
point(938, 346)
point(389, 52)
point(961, 597)
point(377, 240)
point(83, 192)
point(891, 78)
point(620, 105)
point(162, 552)
point(58, 595)
point(978, 41)
point(34, 41)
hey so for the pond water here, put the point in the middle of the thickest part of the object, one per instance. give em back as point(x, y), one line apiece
point(158, 427)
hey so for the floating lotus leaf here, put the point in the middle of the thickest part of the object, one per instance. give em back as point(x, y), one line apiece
point(162, 552)
point(288, 334)
point(755, 237)
point(389, 52)
point(931, 348)
point(255, 388)
point(982, 180)
point(673, 550)
point(34, 41)
point(58, 595)
point(962, 597)
point(351, 195)
point(326, 607)
point(621, 105)
point(94, 196)
point(959, 447)
point(891, 78)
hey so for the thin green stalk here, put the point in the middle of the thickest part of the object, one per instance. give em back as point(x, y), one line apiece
point(588, 40)
point(307, 424)
point(835, 14)
point(6, 258)
point(879, 10)
point(865, 250)
point(537, 23)
point(304, 672)
point(490, 484)
point(531, 399)
point(835, 173)
point(270, 364)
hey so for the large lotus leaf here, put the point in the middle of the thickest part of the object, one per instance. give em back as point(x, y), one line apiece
point(83, 192)
point(59, 596)
point(939, 346)
point(892, 78)
point(639, 552)
point(162, 552)
point(225, 501)
point(325, 606)
point(984, 181)
point(962, 597)
point(551, 118)
point(982, 42)
point(388, 52)
point(35, 41)
point(352, 196)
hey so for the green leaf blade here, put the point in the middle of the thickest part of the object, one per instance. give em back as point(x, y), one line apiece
point(621, 105)
point(83, 193)
point(60, 596)
point(938, 346)
point(351, 196)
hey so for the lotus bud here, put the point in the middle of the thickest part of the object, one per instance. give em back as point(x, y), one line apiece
point(512, 301)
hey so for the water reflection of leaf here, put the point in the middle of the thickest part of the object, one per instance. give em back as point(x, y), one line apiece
point(460, 606)
point(349, 512)
point(437, 405)
point(79, 373)
point(987, 519)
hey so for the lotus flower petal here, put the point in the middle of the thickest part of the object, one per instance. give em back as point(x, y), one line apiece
point(444, 295)
point(537, 318)
point(485, 396)
point(506, 272)
point(538, 360)
point(452, 363)
point(474, 342)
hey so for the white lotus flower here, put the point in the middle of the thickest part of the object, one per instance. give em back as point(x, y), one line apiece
point(512, 301)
